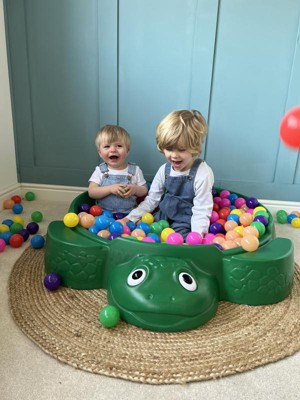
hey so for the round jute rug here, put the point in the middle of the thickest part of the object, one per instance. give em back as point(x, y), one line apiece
point(65, 325)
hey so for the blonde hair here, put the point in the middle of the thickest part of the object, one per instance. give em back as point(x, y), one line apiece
point(113, 133)
point(183, 128)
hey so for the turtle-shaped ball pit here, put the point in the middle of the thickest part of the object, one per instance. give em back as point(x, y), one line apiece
point(165, 287)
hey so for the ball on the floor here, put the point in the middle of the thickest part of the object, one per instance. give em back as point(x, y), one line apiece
point(52, 281)
point(37, 241)
point(37, 216)
point(109, 316)
point(29, 196)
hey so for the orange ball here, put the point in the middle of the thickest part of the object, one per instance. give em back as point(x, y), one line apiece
point(218, 240)
point(251, 230)
point(231, 235)
point(228, 244)
point(104, 233)
point(229, 225)
point(238, 241)
point(81, 214)
point(138, 233)
point(86, 221)
point(8, 204)
point(250, 243)
point(246, 219)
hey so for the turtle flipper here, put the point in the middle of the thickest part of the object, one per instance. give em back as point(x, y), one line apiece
point(262, 277)
point(79, 260)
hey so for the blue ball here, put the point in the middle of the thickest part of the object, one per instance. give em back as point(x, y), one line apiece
point(116, 227)
point(94, 229)
point(8, 222)
point(232, 197)
point(290, 217)
point(154, 236)
point(144, 226)
point(107, 213)
point(6, 236)
point(17, 208)
point(37, 241)
point(131, 225)
point(102, 222)
point(233, 217)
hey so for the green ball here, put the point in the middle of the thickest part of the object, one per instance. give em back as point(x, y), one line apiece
point(29, 196)
point(15, 227)
point(37, 216)
point(281, 217)
point(156, 228)
point(109, 316)
point(164, 223)
point(260, 227)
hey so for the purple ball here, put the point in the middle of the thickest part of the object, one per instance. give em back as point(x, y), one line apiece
point(24, 233)
point(262, 219)
point(32, 228)
point(251, 202)
point(216, 227)
point(119, 215)
point(113, 236)
point(52, 281)
point(84, 208)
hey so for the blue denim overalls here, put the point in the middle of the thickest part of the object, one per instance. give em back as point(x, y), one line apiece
point(112, 202)
point(177, 203)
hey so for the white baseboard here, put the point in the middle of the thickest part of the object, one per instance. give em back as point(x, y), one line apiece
point(68, 193)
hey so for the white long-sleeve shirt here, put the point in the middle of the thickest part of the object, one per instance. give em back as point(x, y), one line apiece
point(203, 200)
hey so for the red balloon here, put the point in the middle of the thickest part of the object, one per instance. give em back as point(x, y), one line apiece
point(290, 128)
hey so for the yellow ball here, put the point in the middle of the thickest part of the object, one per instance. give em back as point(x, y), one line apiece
point(295, 222)
point(4, 228)
point(240, 230)
point(237, 211)
point(71, 220)
point(18, 219)
point(259, 208)
point(165, 233)
point(148, 218)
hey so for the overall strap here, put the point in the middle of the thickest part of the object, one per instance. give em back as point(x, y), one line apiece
point(131, 170)
point(104, 169)
point(194, 168)
point(167, 169)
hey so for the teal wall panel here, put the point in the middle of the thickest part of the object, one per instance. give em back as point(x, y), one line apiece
point(76, 65)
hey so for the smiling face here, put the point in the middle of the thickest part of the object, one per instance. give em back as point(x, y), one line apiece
point(180, 158)
point(162, 293)
point(113, 153)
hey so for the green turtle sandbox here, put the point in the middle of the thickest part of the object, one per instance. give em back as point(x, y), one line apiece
point(165, 287)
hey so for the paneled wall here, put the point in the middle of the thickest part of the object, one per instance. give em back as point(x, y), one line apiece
point(76, 65)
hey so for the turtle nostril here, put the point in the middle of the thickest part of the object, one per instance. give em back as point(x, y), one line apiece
point(150, 296)
point(172, 298)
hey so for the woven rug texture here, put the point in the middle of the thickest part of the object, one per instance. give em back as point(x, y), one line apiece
point(64, 324)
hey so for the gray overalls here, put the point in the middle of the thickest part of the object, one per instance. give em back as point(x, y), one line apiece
point(112, 202)
point(177, 203)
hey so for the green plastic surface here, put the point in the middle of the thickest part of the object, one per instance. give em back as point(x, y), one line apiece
point(160, 301)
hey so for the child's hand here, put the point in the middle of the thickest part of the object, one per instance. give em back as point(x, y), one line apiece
point(118, 189)
point(129, 190)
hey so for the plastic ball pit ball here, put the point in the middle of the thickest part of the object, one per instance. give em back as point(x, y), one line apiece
point(148, 218)
point(8, 204)
point(290, 128)
point(15, 227)
point(95, 211)
point(250, 243)
point(24, 232)
point(16, 240)
point(37, 216)
point(175, 238)
point(193, 238)
point(16, 199)
point(84, 208)
point(6, 236)
point(32, 228)
point(52, 281)
point(2, 245)
point(37, 241)
point(17, 208)
point(295, 222)
point(71, 220)
point(109, 316)
point(29, 196)
point(281, 216)
point(102, 222)
point(4, 228)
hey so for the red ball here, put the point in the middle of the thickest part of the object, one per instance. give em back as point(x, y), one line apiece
point(95, 211)
point(16, 240)
point(224, 212)
point(17, 199)
point(216, 207)
point(290, 128)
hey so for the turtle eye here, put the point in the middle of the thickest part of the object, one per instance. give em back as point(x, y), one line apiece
point(136, 277)
point(187, 281)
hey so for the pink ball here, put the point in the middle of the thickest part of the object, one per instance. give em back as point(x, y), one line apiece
point(194, 238)
point(148, 239)
point(224, 194)
point(208, 238)
point(250, 211)
point(214, 217)
point(126, 229)
point(2, 245)
point(175, 238)
point(217, 200)
point(239, 202)
point(225, 203)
